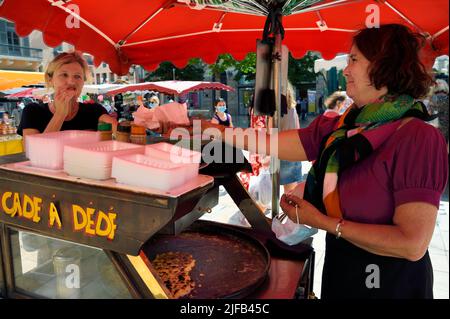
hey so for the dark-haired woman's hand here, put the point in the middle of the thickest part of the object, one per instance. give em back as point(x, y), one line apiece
point(307, 213)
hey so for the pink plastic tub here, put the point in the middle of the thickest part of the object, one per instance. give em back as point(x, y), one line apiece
point(46, 150)
point(176, 155)
point(143, 171)
point(95, 160)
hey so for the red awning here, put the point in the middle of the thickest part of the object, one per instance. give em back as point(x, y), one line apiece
point(124, 32)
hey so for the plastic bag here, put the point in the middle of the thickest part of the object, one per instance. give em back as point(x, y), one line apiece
point(292, 232)
point(260, 187)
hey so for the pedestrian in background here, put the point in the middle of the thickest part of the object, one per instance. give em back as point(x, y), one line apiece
point(221, 116)
point(439, 105)
point(334, 103)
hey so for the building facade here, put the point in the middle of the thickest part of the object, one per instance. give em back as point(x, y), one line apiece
point(17, 53)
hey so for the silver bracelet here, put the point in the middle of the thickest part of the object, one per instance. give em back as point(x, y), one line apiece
point(338, 228)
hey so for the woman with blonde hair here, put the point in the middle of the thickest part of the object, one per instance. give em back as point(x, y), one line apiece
point(66, 74)
point(290, 172)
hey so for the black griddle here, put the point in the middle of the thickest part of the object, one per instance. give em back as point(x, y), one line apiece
point(228, 263)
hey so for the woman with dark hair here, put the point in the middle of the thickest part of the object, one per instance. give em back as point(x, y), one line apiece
point(220, 115)
point(379, 171)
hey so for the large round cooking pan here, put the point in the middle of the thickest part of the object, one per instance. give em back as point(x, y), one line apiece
point(228, 263)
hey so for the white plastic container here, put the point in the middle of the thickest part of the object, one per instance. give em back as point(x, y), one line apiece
point(143, 171)
point(176, 155)
point(92, 172)
point(46, 150)
point(95, 160)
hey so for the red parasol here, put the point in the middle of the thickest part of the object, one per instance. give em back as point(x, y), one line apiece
point(143, 32)
point(24, 93)
point(172, 87)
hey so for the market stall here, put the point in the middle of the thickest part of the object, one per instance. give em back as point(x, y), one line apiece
point(10, 142)
point(69, 237)
point(148, 35)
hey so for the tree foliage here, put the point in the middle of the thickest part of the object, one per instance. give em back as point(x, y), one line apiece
point(194, 71)
point(301, 71)
point(245, 68)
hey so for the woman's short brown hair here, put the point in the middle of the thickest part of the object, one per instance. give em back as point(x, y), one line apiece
point(393, 52)
point(66, 58)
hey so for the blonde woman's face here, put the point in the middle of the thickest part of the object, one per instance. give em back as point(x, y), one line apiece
point(68, 77)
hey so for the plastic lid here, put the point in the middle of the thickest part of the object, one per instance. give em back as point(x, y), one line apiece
point(104, 126)
point(139, 130)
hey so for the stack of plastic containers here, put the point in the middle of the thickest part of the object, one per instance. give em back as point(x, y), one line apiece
point(176, 155)
point(95, 160)
point(164, 167)
point(46, 150)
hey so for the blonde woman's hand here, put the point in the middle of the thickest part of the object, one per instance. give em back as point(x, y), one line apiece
point(63, 101)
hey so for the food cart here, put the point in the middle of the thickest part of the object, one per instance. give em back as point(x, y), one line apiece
point(69, 237)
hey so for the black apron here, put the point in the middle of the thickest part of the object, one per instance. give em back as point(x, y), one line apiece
point(351, 272)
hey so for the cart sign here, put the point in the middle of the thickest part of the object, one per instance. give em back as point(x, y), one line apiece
point(99, 216)
point(88, 220)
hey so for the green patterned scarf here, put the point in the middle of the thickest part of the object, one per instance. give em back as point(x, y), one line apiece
point(358, 133)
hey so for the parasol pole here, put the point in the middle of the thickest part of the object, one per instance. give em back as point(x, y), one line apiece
point(276, 78)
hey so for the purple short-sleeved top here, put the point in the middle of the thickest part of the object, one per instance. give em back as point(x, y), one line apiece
point(411, 166)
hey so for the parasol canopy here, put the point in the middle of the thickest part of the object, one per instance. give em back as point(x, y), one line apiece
point(25, 93)
point(146, 33)
point(87, 89)
point(340, 62)
point(99, 88)
point(172, 87)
